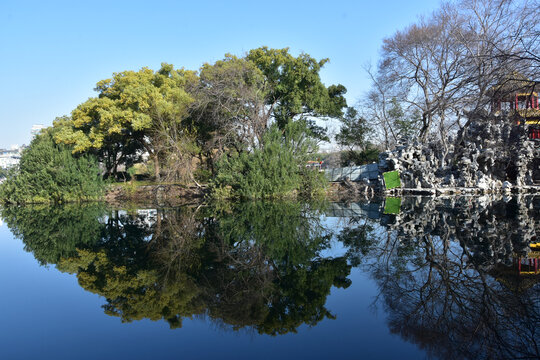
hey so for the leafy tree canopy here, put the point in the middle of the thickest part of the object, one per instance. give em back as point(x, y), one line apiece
point(196, 117)
point(277, 169)
point(354, 130)
point(295, 86)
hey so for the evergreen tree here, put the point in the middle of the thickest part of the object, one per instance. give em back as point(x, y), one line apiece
point(50, 173)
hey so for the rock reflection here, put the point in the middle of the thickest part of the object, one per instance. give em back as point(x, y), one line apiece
point(450, 277)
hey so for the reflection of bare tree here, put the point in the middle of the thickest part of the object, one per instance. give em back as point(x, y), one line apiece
point(447, 277)
point(175, 242)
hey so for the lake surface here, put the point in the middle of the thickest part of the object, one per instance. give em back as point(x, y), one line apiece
point(408, 278)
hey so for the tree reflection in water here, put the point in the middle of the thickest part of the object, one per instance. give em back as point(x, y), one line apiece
point(449, 279)
point(448, 271)
point(258, 266)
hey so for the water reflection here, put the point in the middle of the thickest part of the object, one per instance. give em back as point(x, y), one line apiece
point(458, 277)
point(258, 266)
point(450, 278)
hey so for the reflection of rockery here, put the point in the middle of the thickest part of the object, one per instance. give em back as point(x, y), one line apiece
point(490, 230)
point(529, 265)
point(445, 274)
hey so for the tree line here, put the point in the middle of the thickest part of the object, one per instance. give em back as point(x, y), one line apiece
point(246, 124)
point(192, 118)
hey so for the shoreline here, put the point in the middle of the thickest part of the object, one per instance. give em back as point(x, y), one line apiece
point(341, 191)
point(174, 194)
point(348, 191)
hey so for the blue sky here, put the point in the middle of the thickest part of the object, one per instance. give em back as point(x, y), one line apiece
point(53, 52)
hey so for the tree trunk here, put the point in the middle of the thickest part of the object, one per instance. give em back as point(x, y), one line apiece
point(156, 166)
point(426, 124)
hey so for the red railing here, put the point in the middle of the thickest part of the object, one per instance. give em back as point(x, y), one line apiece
point(534, 133)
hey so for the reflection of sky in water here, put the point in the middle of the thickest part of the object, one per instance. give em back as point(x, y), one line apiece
point(335, 223)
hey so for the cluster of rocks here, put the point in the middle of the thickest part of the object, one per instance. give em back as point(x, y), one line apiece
point(488, 156)
point(461, 268)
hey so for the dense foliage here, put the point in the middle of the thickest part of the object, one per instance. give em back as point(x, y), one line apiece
point(295, 89)
point(246, 122)
point(127, 116)
point(49, 173)
point(275, 169)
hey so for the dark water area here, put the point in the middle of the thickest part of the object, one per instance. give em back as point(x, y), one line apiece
point(410, 278)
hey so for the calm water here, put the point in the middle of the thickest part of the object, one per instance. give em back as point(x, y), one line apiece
point(415, 278)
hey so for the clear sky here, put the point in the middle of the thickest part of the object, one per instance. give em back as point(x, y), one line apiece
point(52, 53)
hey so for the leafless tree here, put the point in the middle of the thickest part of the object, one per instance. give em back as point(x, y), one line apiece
point(230, 105)
point(498, 36)
point(445, 65)
point(374, 106)
point(423, 64)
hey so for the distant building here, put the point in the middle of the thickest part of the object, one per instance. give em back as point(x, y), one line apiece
point(10, 158)
point(36, 129)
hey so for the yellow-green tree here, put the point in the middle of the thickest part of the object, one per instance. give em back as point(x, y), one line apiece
point(131, 110)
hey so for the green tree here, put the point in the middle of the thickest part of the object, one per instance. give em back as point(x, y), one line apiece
point(354, 130)
point(295, 89)
point(236, 99)
point(353, 136)
point(405, 125)
point(50, 173)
